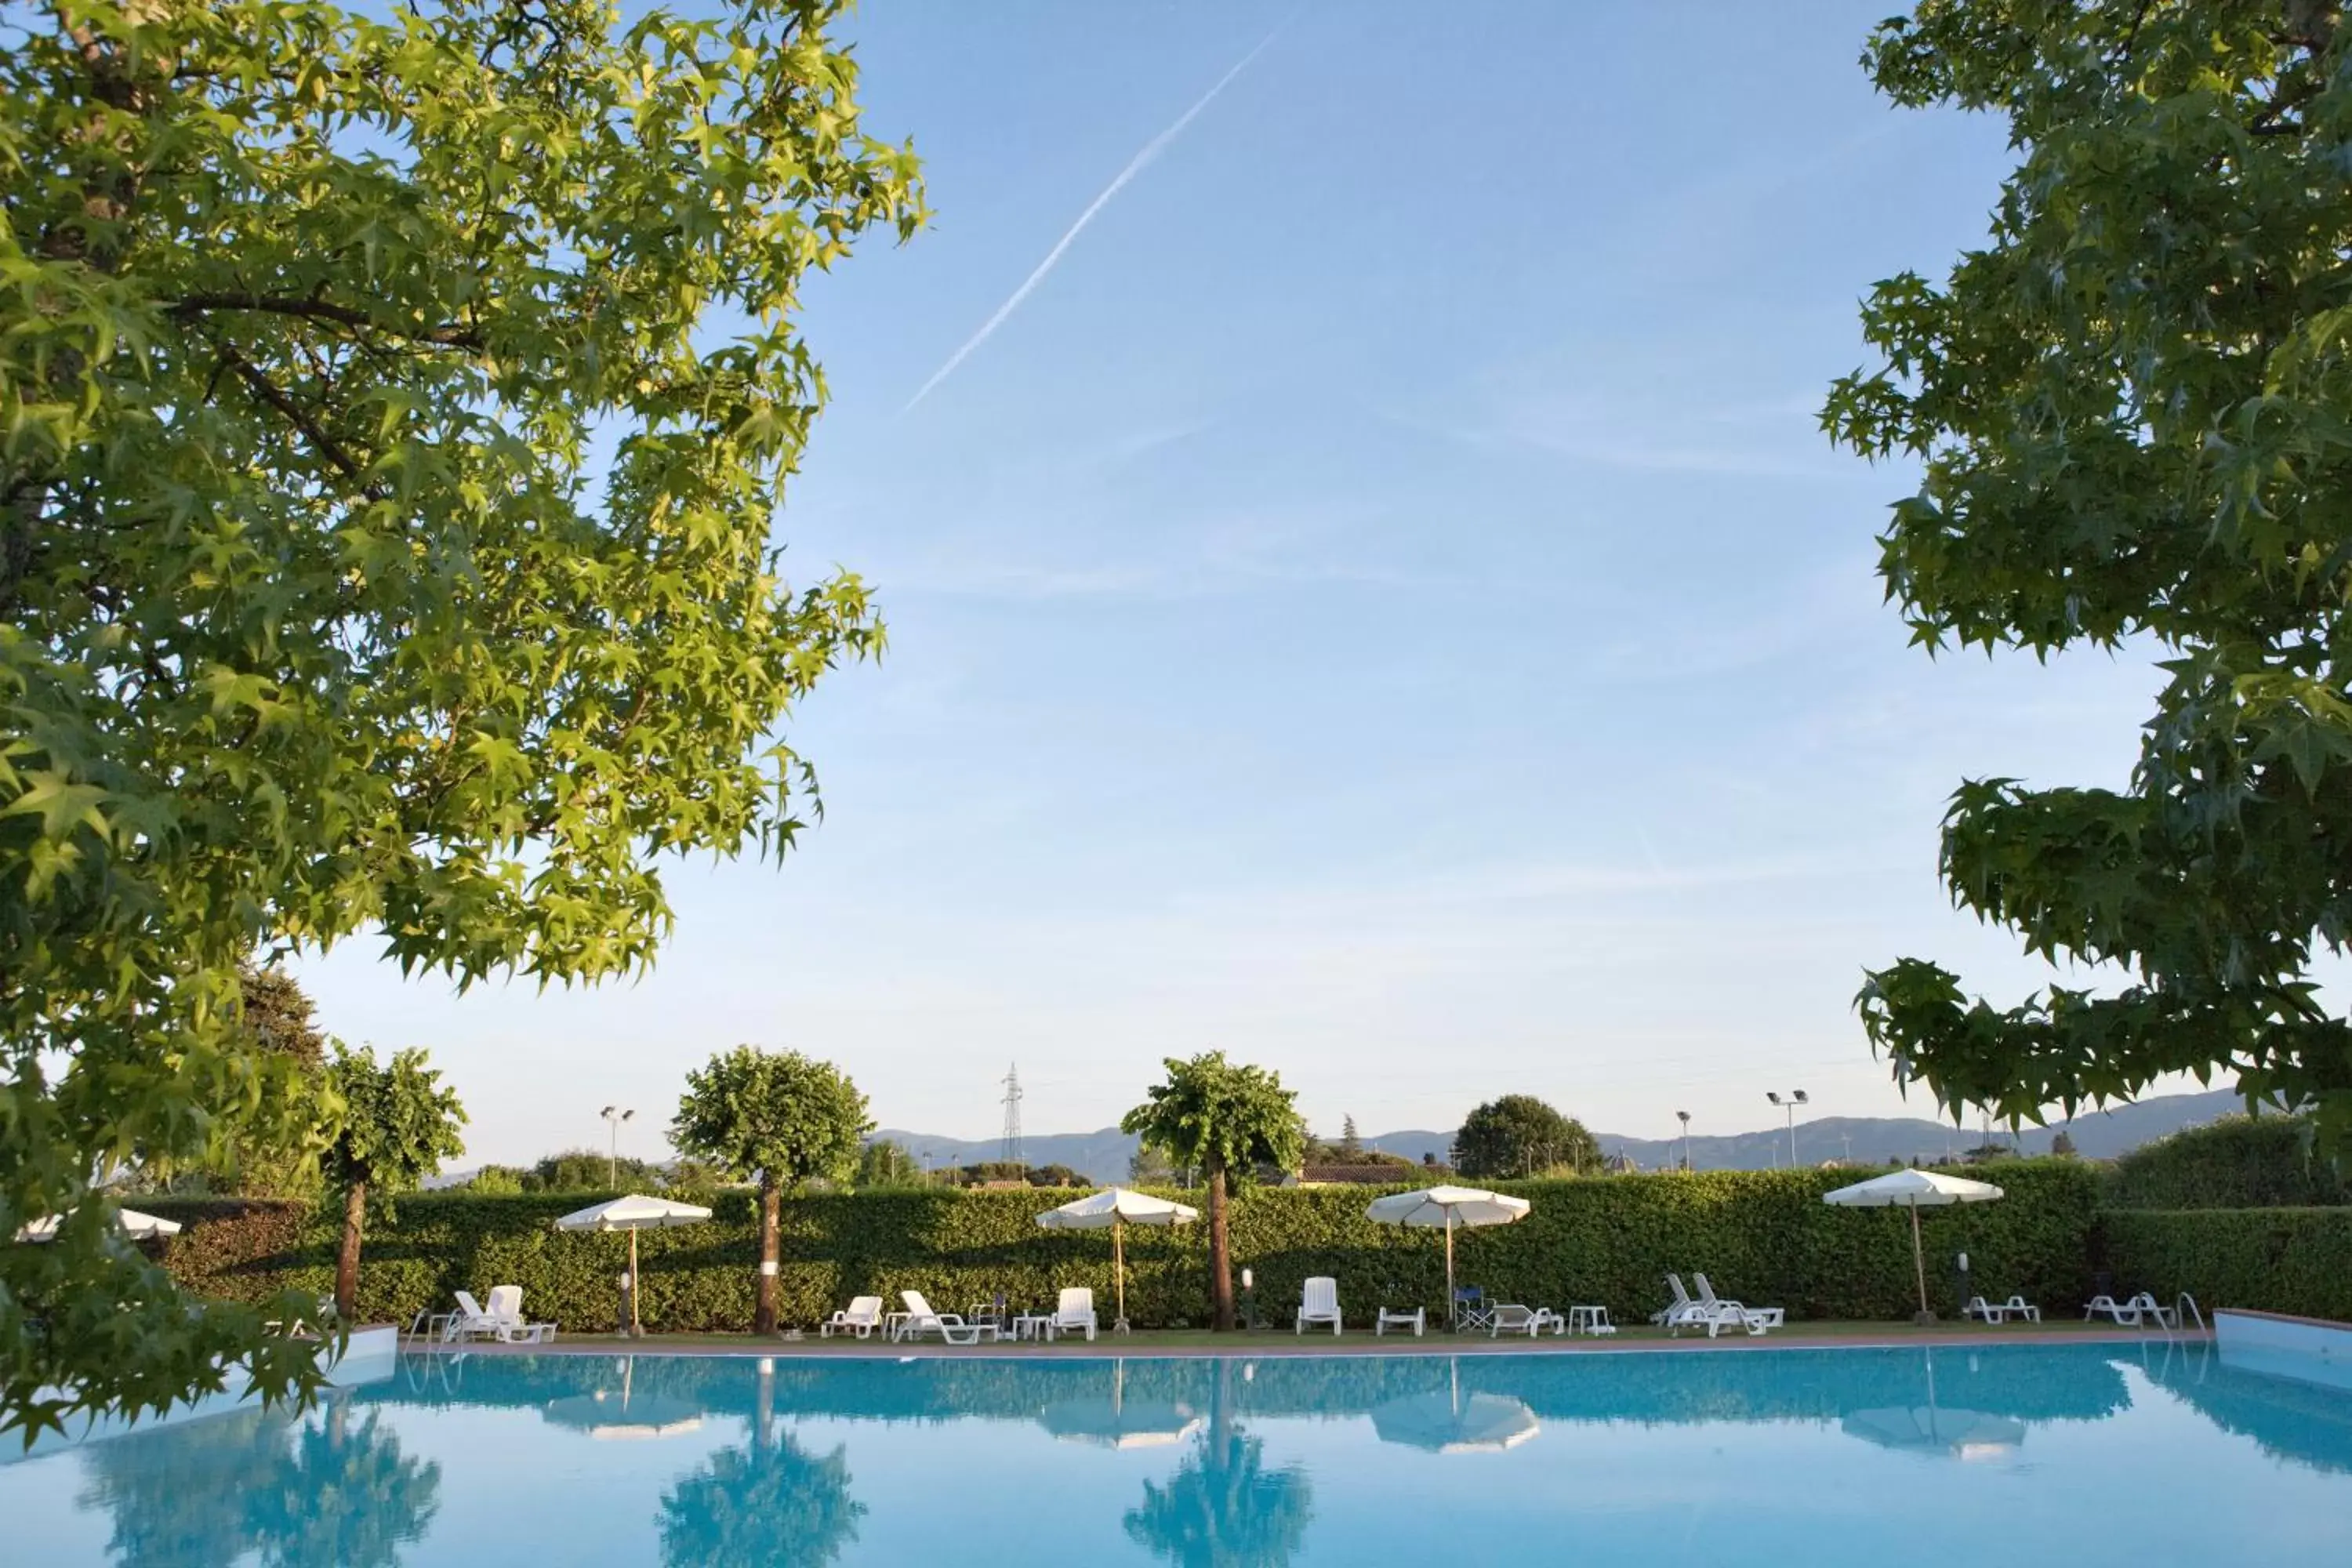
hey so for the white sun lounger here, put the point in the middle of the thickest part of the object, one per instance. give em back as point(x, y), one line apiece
point(861, 1317)
point(1510, 1318)
point(505, 1312)
point(1075, 1311)
point(1319, 1302)
point(2001, 1311)
point(1681, 1310)
point(918, 1320)
point(1719, 1314)
point(1413, 1318)
point(2124, 1313)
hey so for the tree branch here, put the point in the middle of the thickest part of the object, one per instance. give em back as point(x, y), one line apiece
point(189, 307)
point(270, 392)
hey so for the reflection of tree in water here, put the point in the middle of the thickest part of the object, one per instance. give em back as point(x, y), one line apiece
point(1223, 1508)
point(767, 1504)
point(295, 1493)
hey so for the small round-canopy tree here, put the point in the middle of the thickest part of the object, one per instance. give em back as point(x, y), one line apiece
point(1228, 1119)
point(395, 1123)
point(1519, 1135)
point(396, 406)
point(777, 1118)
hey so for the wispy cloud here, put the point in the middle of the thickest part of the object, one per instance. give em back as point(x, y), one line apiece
point(1135, 165)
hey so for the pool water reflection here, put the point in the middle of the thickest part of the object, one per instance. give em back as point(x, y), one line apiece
point(2073, 1454)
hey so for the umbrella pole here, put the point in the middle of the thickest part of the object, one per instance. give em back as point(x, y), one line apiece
point(1449, 1266)
point(1919, 1266)
point(1118, 1268)
point(637, 1331)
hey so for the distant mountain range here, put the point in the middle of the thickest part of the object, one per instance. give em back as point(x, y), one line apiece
point(1103, 1156)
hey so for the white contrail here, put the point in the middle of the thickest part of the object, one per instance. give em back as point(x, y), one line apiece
point(1135, 165)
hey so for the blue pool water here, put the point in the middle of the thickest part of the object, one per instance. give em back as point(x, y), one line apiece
point(2074, 1456)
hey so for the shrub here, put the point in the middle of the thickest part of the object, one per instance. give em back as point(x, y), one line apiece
point(1762, 1236)
point(2239, 1161)
point(2270, 1260)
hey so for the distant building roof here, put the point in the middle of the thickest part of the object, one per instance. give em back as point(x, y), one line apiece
point(1357, 1175)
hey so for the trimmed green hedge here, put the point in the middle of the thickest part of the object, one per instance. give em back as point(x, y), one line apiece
point(2269, 1259)
point(2237, 1162)
point(1764, 1238)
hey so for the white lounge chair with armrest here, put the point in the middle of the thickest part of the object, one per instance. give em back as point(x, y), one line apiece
point(861, 1317)
point(2124, 1313)
point(505, 1312)
point(1510, 1318)
point(1073, 1311)
point(1681, 1309)
point(2001, 1311)
point(468, 1320)
point(1718, 1314)
point(1319, 1302)
point(919, 1319)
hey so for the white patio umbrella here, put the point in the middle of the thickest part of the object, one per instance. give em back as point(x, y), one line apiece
point(1115, 1209)
point(1914, 1190)
point(633, 1213)
point(130, 1222)
point(1448, 1206)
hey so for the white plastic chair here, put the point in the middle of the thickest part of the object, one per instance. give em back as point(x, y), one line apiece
point(861, 1317)
point(919, 1319)
point(1413, 1318)
point(1319, 1303)
point(505, 1315)
point(1075, 1311)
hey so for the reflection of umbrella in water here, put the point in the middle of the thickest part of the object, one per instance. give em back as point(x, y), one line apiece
point(1932, 1428)
point(1119, 1422)
point(1450, 1421)
point(1967, 1433)
point(624, 1413)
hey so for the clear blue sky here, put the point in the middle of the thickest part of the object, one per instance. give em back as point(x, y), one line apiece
point(1382, 605)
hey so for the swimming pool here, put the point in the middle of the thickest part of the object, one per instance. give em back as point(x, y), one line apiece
point(2081, 1456)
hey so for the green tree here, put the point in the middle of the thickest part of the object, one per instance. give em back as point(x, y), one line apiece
point(2133, 409)
point(2062, 1144)
point(394, 1123)
point(394, 413)
point(498, 1181)
point(885, 1163)
point(1149, 1166)
point(1228, 1119)
point(1350, 1146)
point(777, 1118)
point(586, 1171)
point(1519, 1135)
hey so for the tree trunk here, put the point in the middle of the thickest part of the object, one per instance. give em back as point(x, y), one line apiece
point(1221, 1261)
point(347, 1257)
point(764, 1315)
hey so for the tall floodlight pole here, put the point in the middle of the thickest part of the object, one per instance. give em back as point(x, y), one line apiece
point(1683, 1117)
point(613, 1117)
point(1796, 1098)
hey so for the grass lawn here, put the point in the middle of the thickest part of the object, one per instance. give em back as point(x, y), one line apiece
point(1200, 1341)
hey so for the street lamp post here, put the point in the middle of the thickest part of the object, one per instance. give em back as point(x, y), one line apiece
point(613, 1117)
point(1683, 1117)
point(1796, 1098)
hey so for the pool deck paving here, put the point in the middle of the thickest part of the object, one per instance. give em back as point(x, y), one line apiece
point(1262, 1342)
